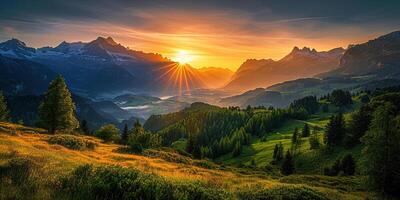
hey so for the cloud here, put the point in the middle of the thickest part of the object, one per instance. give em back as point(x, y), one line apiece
point(220, 33)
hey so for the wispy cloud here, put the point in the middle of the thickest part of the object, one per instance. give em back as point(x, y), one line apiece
point(222, 33)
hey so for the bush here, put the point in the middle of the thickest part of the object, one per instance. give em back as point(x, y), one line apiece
point(72, 142)
point(20, 178)
point(346, 165)
point(279, 193)
point(109, 133)
point(139, 140)
point(87, 182)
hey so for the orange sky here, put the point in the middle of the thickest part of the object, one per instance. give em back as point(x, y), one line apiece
point(218, 38)
point(206, 45)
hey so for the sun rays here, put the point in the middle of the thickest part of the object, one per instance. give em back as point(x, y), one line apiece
point(183, 57)
point(180, 78)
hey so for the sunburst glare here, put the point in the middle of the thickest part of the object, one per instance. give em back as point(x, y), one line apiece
point(183, 57)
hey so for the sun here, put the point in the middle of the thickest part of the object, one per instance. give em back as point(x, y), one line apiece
point(183, 57)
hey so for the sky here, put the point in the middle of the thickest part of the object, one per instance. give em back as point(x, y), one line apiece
point(215, 33)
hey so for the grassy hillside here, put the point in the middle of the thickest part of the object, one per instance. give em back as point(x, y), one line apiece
point(57, 160)
point(307, 161)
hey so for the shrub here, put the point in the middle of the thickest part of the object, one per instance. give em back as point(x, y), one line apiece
point(87, 182)
point(346, 165)
point(108, 133)
point(20, 178)
point(279, 193)
point(139, 139)
point(72, 142)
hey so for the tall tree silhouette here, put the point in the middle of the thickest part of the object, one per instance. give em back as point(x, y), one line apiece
point(57, 111)
point(4, 113)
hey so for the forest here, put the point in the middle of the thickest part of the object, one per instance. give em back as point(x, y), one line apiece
point(360, 138)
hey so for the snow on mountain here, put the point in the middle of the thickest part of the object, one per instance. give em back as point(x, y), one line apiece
point(16, 48)
point(101, 48)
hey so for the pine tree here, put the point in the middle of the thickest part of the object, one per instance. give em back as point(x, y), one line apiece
point(279, 154)
point(287, 167)
point(276, 149)
point(295, 136)
point(124, 134)
point(381, 154)
point(295, 141)
point(4, 113)
point(84, 127)
point(335, 130)
point(314, 140)
point(334, 169)
point(357, 126)
point(137, 124)
point(348, 165)
point(306, 131)
point(57, 111)
point(237, 150)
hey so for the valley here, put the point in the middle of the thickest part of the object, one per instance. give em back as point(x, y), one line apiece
point(255, 100)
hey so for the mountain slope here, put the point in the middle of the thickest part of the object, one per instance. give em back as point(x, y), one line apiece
point(103, 67)
point(215, 77)
point(380, 57)
point(18, 76)
point(299, 63)
point(239, 100)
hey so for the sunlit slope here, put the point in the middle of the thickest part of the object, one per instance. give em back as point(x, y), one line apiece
point(307, 161)
point(58, 160)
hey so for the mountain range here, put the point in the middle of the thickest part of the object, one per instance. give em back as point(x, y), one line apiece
point(101, 67)
point(370, 65)
point(299, 63)
point(123, 82)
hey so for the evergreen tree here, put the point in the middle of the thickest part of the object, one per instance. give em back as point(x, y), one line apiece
point(357, 126)
point(295, 141)
point(381, 153)
point(335, 130)
point(139, 139)
point(57, 111)
point(309, 103)
point(253, 163)
point(348, 165)
point(276, 149)
point(314, 140)
point(4, 113)
point(279, 154)
point(340, 98)
point(237, 149)
point(137, 124)
point(287, 167)
point(124, 134)
point(306, 131)
point(295, 136)
point(84, 127)
point(335, 169)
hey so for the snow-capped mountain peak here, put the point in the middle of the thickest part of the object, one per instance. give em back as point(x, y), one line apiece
point(16, 48)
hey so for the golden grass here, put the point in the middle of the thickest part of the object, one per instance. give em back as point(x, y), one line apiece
point(61, 160)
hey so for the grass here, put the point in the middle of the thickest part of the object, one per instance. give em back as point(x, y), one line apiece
point(261, 151)
point(72, 142)
point(307, 161)
point(57, 160)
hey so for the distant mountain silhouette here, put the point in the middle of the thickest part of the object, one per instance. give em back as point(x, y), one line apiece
point(19, 76)
point(367, 66)
point(103, 67)
point(215, 77)
point(378, 57)
point(298, 63)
